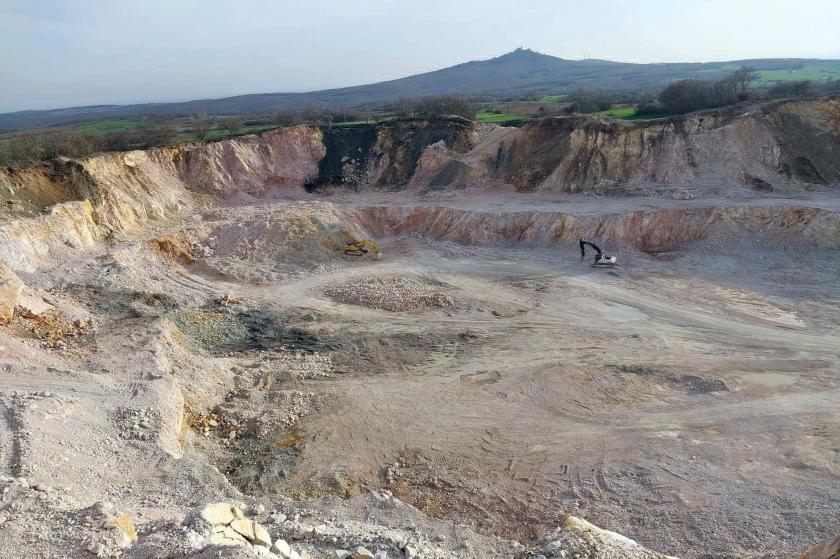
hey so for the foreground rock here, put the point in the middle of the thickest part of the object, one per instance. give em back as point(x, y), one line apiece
point(579, 538)
point(829, 549)
point(113, 532)
point(224, 524)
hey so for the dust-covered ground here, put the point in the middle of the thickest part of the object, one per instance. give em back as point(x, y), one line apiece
point(686, 398)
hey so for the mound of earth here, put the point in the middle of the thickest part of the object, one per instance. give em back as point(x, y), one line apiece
point(392, 293)
point(300, 238)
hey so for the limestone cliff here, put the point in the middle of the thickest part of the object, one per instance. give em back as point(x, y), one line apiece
point(793, 144)
point(765, 147)
point(649, 230)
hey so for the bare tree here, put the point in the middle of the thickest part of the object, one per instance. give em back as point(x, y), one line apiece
point(232, 124)
point(745, 77)
point(583, 101)
point(202, 126)
point(165, 130)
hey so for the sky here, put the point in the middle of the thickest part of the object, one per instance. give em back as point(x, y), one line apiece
point(63, 53)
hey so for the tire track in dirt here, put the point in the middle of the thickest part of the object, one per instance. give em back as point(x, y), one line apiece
point(9, 440)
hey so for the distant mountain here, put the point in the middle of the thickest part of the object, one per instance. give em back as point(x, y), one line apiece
point(517, 72)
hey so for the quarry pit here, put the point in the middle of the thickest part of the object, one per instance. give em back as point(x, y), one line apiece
point(187, 330)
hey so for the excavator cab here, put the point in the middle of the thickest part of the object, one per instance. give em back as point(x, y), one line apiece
point(363, 247)
point(601, 259)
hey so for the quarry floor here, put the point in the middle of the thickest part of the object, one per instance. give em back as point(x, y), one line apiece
point(687, 399)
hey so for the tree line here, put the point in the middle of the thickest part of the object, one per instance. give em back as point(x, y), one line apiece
point(692, 94)
point(29, 148)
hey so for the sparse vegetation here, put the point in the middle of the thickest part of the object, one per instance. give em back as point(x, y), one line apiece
point(583, 101)
point(791, 89)
point(633, 113)
point(690, 95)
point(425, 107)
point(497, 117)
point(111, 126)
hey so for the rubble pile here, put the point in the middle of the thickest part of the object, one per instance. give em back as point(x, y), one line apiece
point(392, 293)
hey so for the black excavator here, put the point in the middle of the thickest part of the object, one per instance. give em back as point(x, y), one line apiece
point(601, 259)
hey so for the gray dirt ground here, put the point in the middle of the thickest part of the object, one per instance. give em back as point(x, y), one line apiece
point(687, 400)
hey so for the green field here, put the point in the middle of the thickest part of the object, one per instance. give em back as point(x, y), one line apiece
point(809, 73)
point(629, 113)
point(110, 126)
point(188, 136)
point(495, 118)
point(553, 99)
point(368, 121)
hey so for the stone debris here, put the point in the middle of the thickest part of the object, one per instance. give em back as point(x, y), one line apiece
point(55, 330)
point(339, 536)
point(113, 533)
point(227, 300)
point(174, 249)
point(282, 549)
point(140, 424)
point(392, 293)
point(214, 423)
point(223, 524)
point(305, 366)
point(30, 305)
point(578, 539)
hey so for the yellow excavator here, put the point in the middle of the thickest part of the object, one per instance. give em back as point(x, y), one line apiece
point(363, 247)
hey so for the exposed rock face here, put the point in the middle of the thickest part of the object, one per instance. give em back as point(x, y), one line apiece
point(253, 164)
point(25, 192)
point(765, 147)
point(386, 155)
point(23, 241)
point(115, 192)
point(650, 230)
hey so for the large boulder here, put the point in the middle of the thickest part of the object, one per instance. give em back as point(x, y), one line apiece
point(225, 525)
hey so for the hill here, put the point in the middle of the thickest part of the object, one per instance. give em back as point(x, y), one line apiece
point(517, 72)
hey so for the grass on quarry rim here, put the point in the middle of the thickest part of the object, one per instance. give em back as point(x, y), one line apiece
point(188, 136)
point(495, 118)
point(358, 122)
point(629, 113)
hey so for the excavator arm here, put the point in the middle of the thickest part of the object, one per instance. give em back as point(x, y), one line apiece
point(583, 248)
point(600, 258)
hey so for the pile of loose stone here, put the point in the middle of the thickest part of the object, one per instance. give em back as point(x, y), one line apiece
point(133, 423)
point(223, 525)
point(391, 293)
